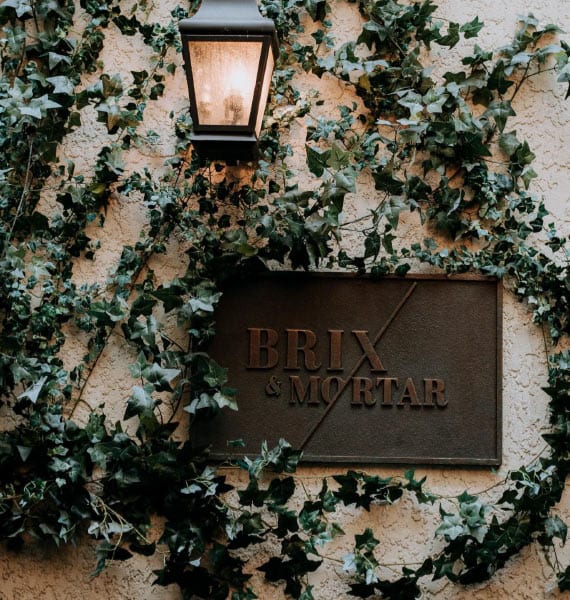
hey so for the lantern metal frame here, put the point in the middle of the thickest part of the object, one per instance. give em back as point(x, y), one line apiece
point(228, 21)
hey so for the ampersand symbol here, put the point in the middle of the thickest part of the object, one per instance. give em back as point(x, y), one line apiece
point(273, 387)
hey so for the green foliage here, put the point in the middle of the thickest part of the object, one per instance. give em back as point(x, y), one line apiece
point(441, 148)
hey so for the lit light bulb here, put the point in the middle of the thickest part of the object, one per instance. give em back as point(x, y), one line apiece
point(205, 104)
point(234, 101)
point(233, 107)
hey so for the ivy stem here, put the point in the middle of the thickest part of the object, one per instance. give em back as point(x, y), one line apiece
point(526, 76)
point(35, 17)
point(25, 192)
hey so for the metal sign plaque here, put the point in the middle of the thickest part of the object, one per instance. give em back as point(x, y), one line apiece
point(349, 369)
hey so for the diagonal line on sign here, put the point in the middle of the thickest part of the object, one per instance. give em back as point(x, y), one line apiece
point(357, 366)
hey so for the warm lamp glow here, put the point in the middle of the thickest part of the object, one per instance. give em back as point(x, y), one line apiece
point(223, 99)
point(265, 89)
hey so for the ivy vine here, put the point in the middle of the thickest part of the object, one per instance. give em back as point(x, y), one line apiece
point(440, 147)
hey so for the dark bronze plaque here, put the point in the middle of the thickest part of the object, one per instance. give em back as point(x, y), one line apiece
point(401, 370)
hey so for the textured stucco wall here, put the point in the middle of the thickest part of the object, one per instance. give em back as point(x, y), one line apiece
point(543, 118)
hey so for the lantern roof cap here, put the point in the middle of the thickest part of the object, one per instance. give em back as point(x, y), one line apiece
point(215, 17)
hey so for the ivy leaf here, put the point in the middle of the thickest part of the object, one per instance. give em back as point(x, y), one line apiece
point(138, 367)
point(498, 80)
point(445, 568)
point(310, 518)
point(509, 143)
point(527, 176)
point(110, 85)
point(349, 563)
point(372, 245)
point(142, 306)
point(252, 495)
point(417, 487)
point(316, 8)
point(281, 490)
point(307, 593)
point(139, 77)
point(22, 7)
point(211, 404)
point(145, 331)
point(61, 85)
point(108, 551)
point(472, 29)
point(414, 103)
point(563, 579)
point(451, 38)
point(451, 528)
point(475, 146)
point(317, 159)
point(113, 160)
point(435, 99)
point(216, 375)
point(33, 392)
point(170, 296)
point(523, 155)
point(339, 158)
point(564, 77)
point(283, 458)
point(500, 111)
point(159, 377)
point(143, 548)
point(293, 564)
point(38, 107)
point(24, 452)
point(203, 303)
point(366, 540)
point(392, 210)
point(55, 59)
point(555, 527)
point(521, 58)
point(387, 181)
point(140, 401)
point(345, 180)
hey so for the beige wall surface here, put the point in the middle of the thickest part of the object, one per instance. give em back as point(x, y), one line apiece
point(543, 118)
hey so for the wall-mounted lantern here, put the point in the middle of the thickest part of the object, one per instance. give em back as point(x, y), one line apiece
point(229, 52)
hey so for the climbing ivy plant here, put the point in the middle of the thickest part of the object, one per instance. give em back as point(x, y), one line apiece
point(440, 147)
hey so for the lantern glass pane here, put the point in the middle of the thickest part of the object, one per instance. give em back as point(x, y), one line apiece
point(224, 75)
point(264, 91)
